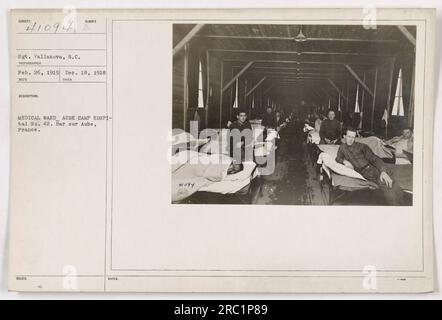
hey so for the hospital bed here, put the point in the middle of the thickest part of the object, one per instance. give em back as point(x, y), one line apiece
point(198, 188)
point(242, 191)
point(340, 181)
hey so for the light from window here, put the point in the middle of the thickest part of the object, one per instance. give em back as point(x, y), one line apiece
point(398, 104)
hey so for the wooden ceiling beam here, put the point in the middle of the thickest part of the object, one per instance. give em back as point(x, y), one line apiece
point(268, 89)
point(241, 72)
point(337, 89)
point(296, 62)
point(358, 54)
point(299, 69)
point(187, 38)
point(295, 68)
point(255, 86)
point(407, 35)
point(295, 73)
point(291, 39)
point(301, 78)
point(359, 80)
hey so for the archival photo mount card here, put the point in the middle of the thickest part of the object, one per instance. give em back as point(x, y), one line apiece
point(282, 150)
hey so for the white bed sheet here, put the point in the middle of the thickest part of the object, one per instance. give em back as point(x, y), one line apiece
point(235, 182)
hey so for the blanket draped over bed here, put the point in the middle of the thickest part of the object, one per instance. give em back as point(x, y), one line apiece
point(376, 145)
point(195, 171)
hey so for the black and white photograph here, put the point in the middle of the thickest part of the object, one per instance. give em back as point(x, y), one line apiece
point(291, 114)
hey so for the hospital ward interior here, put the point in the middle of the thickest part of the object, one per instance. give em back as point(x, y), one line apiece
point(293, 114)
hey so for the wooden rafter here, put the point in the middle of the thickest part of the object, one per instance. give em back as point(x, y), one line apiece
point(337, 89)
point(291, 39)
point(359, 80)
point(255, 86)
point(246, 67)
point(358, 54)
point(407, 35)
point(296, 62)
point(187, 38)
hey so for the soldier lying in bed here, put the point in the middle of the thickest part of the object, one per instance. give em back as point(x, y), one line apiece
point(358, 156)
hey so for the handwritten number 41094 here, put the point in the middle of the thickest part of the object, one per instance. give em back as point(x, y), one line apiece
point(57, 27)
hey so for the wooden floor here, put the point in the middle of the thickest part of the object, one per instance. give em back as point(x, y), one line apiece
point(295, 180)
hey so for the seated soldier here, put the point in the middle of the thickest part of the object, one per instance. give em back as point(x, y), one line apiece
point(243, 143)
point(330, 131)
point(358, 156)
